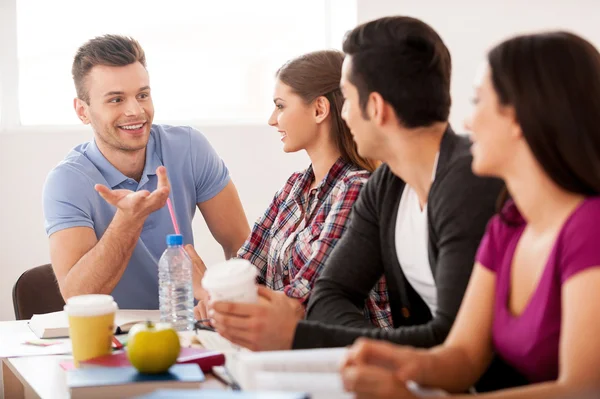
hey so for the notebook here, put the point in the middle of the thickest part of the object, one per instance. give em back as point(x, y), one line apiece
point(125, 382)
point(206, 359)
point(56, 324)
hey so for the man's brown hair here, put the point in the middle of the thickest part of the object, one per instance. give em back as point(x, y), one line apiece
point(108, 50)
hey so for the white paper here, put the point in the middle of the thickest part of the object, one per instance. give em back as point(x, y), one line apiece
point(325, 385)
point(213, 341)
point(246, 366)
point(309, 360)
point(15, 334)
point(314, 371)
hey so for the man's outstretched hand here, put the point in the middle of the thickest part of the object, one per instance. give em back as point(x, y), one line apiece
point(138, 204)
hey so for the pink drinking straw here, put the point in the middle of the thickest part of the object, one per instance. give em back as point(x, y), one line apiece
point(172, 213)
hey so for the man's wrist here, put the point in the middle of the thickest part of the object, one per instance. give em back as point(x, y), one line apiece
point(126, 221)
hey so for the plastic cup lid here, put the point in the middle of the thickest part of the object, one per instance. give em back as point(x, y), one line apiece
point(90, 305)
point(232, 272)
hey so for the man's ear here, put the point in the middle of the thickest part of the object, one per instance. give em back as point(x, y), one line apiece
point(322, 108)
point(377, 109)
point(81, 109)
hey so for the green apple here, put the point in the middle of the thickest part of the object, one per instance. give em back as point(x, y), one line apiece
point(152, 348)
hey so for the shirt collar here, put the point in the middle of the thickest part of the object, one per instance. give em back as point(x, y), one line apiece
point(113, 176)
point(338, 170)
point(153, 161)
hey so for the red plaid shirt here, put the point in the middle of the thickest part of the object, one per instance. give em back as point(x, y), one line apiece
point(290, 243)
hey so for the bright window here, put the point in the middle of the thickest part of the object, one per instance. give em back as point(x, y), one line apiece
point(209, 61)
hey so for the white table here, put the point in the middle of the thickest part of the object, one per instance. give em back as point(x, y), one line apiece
point(34, 377)
point(42, 376)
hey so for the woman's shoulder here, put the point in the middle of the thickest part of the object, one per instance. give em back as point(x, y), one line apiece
point(578, 240)
point(289, 185)
point(355, 176)
point(500, 230)
point(585, 218)
point(350, 183)
point(346, 173)
point(505, 223)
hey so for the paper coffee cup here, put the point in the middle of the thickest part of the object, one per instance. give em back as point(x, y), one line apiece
point(231, 281)
point(91, 325)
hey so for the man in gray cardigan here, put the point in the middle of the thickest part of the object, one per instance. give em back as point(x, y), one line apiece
point(418, 220)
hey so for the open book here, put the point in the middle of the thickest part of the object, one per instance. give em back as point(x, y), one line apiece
point(314, 371)
point(213, 341)
point(56, 324)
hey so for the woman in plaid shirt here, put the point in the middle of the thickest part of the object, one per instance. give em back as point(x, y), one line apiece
point(290, 243)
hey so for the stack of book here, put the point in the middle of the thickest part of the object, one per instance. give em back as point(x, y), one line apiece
point(204, 358)
point(126, 382)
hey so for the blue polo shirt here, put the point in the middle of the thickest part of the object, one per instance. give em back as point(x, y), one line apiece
point(196, 174)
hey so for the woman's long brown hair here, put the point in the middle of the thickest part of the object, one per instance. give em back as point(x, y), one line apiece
point(318, 74)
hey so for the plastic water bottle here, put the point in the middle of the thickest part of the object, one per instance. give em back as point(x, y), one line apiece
point(176, 297)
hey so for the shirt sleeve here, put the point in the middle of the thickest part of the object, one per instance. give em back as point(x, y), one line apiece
point(330, 233)
point(65, 201)
point(578, 243)
point(210, 173)
point(459, 222)
point(256, 247)
point(351, 271)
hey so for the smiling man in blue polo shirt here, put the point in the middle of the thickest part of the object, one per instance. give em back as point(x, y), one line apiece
point(104, 204)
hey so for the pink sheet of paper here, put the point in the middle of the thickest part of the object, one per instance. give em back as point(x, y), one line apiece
point(42, 342)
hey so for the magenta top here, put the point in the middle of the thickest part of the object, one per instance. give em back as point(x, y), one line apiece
point(529, 342)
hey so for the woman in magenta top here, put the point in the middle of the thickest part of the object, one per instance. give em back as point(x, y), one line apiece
point(534, 296)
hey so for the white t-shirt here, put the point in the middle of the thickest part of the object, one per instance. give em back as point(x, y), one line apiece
point(412, 246)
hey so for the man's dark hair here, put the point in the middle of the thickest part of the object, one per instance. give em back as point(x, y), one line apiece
point(407, 63)
point(109, 50)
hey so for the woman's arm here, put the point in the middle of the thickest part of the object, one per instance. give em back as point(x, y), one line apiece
point(459, 362)
point(579, 350)
point(467, 352)
point(453, 365)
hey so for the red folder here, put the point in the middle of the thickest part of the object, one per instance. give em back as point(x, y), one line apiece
point(204, 358)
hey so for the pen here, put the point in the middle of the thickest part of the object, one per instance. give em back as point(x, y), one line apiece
point(224, 376)
point(199, 325)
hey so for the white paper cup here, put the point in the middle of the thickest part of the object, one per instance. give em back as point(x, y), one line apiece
point(231, 281)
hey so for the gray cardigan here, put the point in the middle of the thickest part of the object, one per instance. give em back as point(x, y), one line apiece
point(459, 207)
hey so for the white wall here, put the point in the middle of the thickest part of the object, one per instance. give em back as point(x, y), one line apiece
point(253, 153)
point(471, 27)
